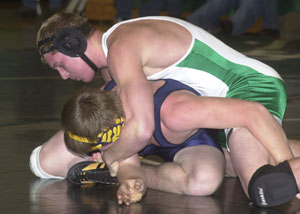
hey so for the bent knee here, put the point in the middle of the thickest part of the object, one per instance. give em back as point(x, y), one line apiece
point(273, 185)
point(205, 183)
point(37, 168)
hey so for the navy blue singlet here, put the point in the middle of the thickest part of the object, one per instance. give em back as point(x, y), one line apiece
point(167, 150)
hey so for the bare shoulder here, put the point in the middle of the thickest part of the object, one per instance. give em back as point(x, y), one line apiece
point(157, 43)
point(150, 30)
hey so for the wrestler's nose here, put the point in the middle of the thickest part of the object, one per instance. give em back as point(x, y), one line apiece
point(63, 73)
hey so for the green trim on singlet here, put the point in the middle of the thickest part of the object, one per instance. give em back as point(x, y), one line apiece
point(222, 138)
point(243, 81)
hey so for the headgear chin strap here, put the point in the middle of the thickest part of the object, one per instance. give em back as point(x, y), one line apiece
point(70, 41)
point(107, 136)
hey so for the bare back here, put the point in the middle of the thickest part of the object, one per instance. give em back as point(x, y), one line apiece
point(159, 43)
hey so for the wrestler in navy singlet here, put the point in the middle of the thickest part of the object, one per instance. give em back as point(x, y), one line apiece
point(167, 150)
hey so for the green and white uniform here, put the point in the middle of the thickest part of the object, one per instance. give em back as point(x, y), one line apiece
point(214, 69)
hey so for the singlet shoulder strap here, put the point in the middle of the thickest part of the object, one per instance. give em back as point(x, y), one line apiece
point(110, 85)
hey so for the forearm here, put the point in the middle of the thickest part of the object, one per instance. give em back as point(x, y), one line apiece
point(260, 123)
point(130, 142)
point(269, 132)
point(224, 113)
point(137, 101)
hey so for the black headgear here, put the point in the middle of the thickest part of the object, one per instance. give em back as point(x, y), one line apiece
point(70, 41)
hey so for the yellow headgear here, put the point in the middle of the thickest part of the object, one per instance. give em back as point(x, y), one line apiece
point(108, 135)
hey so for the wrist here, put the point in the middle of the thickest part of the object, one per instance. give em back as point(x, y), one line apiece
point(104, 157)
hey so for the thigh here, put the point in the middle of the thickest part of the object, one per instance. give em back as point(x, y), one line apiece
point(202, 159)
point(55, 158)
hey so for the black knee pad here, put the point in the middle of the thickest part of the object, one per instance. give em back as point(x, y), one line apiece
point(272, 185)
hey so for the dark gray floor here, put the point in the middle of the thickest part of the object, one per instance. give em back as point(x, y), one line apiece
point(31, 100)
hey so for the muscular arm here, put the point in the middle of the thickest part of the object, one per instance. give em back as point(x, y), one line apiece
point(209, 112)
point(134, 51)
point(139, 122)
point(126, 67)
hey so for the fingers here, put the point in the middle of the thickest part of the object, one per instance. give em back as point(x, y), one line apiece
point(131, 191)
point(138, 185)
point(127, 197)
point(123, 195)
point(137, 191)
point(96, 157)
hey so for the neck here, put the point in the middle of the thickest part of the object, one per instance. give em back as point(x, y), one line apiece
point(96, 50)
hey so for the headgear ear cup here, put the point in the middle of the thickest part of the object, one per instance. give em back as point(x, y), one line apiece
point(71, 42)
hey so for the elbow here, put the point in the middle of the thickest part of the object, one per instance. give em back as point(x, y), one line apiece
point(254, 110)
point(145, 131)
point(256, 113)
